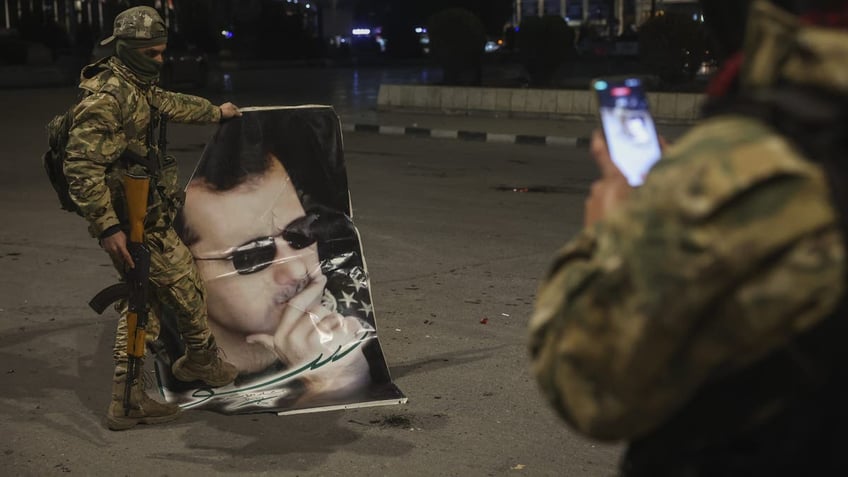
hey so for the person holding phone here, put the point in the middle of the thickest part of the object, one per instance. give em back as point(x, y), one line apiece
point(698, 316)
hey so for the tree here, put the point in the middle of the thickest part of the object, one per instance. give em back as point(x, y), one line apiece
point(673, 47)
point(457, 39)
point(544, 44)
point(492, 13)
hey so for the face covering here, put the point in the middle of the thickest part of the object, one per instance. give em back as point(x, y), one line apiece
point(146, 68)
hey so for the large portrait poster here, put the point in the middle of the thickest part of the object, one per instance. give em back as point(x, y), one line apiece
point(267, 217)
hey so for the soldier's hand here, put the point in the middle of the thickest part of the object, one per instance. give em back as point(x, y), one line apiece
point(308, 330)
point(116, 246)
point(608, 192)
point(664, 144)
point(229, 110)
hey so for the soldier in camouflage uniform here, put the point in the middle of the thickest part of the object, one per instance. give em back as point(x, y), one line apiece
point(697, 317)
point(110, 127)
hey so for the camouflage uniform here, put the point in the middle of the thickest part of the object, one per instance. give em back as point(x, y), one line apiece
point(730, 249)
point(112, 118)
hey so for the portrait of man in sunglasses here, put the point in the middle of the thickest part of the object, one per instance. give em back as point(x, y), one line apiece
point(267, 219)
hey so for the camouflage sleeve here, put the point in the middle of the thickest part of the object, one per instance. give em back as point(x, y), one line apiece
point(729, 248)
point(95, 141)
point(185, 108)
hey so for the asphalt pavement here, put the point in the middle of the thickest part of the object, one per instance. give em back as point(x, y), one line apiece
point(450, 239)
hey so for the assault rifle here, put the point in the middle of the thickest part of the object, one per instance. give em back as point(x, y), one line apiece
point(136, 285)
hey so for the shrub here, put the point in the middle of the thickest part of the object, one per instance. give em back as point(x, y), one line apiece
point(544, 44)
point(457, 39)
point(673, 47)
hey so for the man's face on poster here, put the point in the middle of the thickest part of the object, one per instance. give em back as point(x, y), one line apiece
point(260, 261)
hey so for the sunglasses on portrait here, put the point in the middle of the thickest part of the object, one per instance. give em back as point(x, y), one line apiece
point(258, 254)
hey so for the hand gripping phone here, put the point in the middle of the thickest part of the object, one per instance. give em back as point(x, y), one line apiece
point(628, 127)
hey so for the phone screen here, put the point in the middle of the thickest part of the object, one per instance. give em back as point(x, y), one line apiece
point(628, 127)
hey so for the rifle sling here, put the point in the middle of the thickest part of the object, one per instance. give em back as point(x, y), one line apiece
point(151, 164)
point(153, 161)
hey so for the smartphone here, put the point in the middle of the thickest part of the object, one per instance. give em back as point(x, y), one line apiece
point(628, 127)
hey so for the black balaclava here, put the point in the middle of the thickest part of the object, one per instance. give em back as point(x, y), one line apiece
point(135, 28)
point(146, 68)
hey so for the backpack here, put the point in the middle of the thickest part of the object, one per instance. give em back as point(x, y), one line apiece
point(53, 159)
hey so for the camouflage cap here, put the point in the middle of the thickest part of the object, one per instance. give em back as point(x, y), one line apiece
point(140, 24)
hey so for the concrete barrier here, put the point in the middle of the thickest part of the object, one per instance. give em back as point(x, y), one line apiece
point(523, 102)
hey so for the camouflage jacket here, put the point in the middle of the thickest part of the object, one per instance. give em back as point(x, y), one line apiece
point(729, 249)
point(111, 118)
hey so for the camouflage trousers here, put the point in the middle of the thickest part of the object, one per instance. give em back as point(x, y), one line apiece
point(175, 284)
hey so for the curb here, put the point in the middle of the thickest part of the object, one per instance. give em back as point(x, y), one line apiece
point(479, 136)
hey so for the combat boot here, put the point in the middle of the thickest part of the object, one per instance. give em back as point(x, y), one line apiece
point(204, 365)
point(143, 409)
